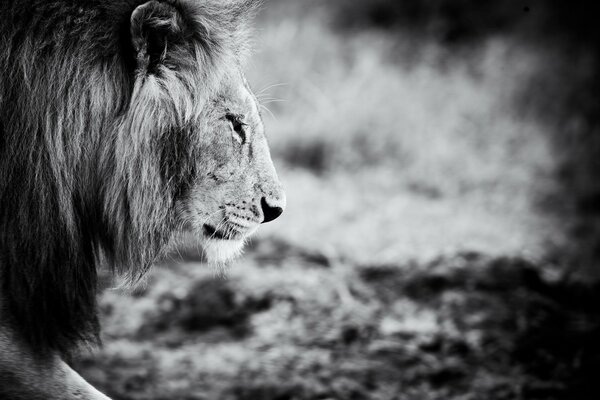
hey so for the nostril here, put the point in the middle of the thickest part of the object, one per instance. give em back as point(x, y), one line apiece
point(269, 212)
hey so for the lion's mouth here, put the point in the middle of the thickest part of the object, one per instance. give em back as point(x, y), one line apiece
point(220, 234)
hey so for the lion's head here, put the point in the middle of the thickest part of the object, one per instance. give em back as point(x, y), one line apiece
point(122, 123)
point(211, 168)
point(237, 188)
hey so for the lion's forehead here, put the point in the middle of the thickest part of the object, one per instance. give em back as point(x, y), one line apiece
point(238, 97)
point(251, 103)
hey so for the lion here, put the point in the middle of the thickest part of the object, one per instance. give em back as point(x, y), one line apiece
point(122, 124)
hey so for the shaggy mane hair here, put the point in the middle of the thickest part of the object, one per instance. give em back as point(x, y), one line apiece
point(94, 103)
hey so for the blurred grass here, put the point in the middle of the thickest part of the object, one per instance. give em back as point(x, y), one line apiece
point(422, 252)
point(417, 150)
point(461, 327)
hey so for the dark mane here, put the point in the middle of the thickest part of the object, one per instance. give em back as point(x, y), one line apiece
point(83, 166)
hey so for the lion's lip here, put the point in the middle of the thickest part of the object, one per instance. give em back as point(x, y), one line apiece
point(213, 233)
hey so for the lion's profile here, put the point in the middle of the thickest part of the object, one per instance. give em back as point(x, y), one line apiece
point(122, 122)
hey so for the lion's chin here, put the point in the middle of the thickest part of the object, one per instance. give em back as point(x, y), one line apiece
point(222, 251)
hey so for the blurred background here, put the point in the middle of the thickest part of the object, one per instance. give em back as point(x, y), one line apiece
point(441, 240)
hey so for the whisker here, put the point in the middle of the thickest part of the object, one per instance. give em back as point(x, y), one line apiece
point(271, 87)
point(274, 101)
point(264, 107)
point(266, 96)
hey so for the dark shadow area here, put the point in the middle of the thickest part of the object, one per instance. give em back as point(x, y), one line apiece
point(464, 21)
point(211, 304)
point(451, 22)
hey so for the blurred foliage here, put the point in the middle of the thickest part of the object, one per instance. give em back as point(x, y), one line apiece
point(449, 21)
point(460, 327)
point(539, 58)
point(456, 21)
point(568, 30)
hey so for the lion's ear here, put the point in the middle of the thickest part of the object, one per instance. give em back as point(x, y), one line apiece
point(157, 35)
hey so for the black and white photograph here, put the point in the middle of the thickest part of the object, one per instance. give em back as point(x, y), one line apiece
point(299, 200)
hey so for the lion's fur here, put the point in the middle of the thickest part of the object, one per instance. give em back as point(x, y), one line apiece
point(91, 160)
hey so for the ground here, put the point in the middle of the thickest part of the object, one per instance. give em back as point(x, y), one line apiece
point(421, 255)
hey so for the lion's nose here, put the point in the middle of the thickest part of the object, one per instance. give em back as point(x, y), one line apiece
point(270, 210)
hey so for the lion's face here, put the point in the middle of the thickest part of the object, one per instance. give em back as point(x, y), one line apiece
point(190, 151)
point(236, 188)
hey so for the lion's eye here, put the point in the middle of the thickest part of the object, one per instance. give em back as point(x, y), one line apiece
point(238, 127)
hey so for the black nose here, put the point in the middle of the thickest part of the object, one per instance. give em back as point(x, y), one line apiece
point(269, 212)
